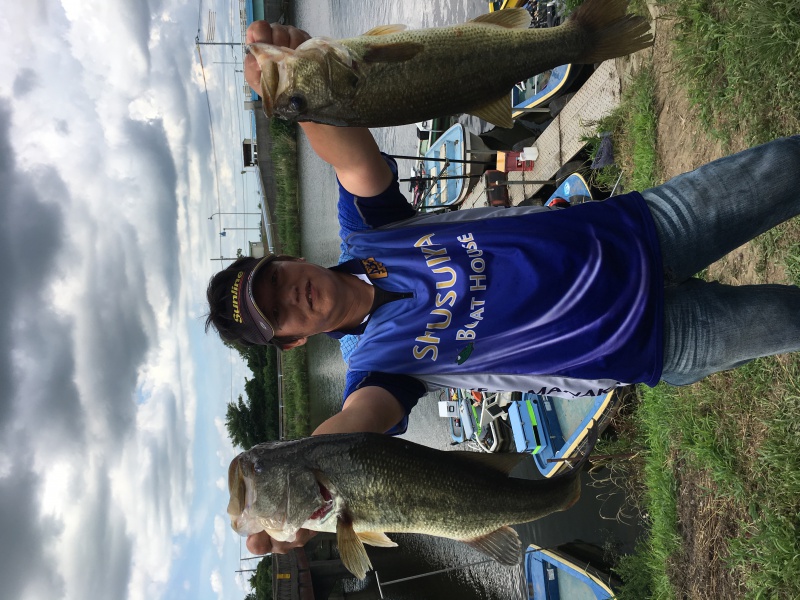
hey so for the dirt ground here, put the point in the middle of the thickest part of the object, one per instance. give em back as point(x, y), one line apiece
point(705, 523)
point(683, 145)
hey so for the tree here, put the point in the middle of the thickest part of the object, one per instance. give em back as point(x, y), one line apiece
point(243, 429)
point(254, 420)
point(261, 581)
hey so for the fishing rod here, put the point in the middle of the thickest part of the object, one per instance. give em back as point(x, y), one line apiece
point(382, 584)
point(441, 175)
point(452, 160)
point(415, 179)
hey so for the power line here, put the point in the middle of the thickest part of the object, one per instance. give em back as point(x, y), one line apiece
point(211, 127)
point(199, 16)
point(239, 102)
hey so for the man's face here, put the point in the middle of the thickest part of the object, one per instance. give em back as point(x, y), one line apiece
point(299, 298)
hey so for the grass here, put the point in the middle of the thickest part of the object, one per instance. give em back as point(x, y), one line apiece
point(740, 61)
point(738, 429)
point(737, 434)
point(730, 443)
point(633, 130)
point(294, 363)
point(284, 163)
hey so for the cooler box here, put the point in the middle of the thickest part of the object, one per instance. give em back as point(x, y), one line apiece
point(448, 408)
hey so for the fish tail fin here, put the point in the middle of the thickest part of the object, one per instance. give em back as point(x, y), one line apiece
point(503, 545)
point(609, 30)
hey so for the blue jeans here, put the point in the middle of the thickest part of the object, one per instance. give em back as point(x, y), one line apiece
point(701, 216)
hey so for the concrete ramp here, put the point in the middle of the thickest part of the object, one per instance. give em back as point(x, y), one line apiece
point(561, 141)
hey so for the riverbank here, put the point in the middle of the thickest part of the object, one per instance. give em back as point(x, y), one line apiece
point(716, 475)
point(294, 388)
point(717, 461)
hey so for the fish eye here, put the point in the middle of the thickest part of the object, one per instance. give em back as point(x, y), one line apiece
point(297, 103)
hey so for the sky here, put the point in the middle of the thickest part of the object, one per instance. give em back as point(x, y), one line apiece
point(113, 450)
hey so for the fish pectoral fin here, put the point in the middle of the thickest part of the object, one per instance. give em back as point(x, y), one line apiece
point(510, 18)
point(351, 549)
point(386, 29)
point(376, 538)
point(497, 112)
point(390, 53)
point(503, 545)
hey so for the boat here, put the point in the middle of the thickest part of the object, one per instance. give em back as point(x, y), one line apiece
point(429, 131)
point(490, 415)
point(573, 190)
point(556, 430)
point(534, 94)
point(449, 169)
point(556, 575)
point(477, 417)
point(495, 5)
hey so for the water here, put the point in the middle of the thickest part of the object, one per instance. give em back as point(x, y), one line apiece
point(346, 18)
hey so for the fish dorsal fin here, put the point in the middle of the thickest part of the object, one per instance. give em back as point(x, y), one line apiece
point(376, 538)
point(497, 112)
point(389, 53)
point(351, 549)
point(502, 545)
point(510, 18)
point(386, 29)
point(502, 462)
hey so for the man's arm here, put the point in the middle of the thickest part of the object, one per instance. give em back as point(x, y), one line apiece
point(351, 151)
point(354, 155)
point(371, 409)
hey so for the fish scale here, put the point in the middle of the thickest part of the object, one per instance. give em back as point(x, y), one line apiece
point(468, 81)
point(391, 77)
point(427, 499)
point(361, 485)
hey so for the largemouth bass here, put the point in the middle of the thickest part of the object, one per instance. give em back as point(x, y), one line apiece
point(362, 485)
point(390, 76)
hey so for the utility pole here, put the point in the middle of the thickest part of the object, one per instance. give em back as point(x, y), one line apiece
point(211, 218)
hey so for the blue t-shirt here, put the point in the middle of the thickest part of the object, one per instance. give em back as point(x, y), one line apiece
point(564, 303)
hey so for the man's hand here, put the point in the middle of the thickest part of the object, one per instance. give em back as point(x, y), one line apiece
point(261, 543)
point(268, 33)
point(368, 409)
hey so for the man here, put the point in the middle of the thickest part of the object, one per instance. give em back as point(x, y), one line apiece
point(566, 303)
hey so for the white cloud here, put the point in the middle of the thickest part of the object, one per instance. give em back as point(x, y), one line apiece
point(216, 582)
point(104, 172)
point(221, 528)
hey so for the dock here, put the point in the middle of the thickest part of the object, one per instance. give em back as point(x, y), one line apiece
point(562, 139)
